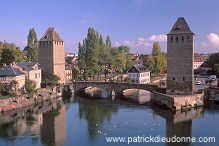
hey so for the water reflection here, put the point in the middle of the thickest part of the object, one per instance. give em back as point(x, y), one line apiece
point(138, 95)
point(81, 121)
point(179, 123)
point(46, 120)
point(96, 112)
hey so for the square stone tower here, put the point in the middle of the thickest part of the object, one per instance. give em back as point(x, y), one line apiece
point(52, 55)
point(180, 50)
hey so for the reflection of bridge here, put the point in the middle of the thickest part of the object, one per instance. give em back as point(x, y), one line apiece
point(113, 86)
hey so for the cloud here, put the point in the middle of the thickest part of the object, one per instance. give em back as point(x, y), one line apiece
point(90, 19)
point(129, 43)
point(145, 44)
point(212, 40)
point(158, 38)
point(141, 39)
point(117, 44)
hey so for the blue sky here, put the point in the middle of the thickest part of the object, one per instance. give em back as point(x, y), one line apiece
point(135, 23)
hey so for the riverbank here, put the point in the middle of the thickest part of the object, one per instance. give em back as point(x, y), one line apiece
point(40, 95)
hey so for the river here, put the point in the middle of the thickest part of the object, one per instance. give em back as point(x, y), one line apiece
point(88, 121)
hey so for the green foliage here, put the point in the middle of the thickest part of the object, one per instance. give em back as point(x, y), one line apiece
point(30, 95)
point(51, 81)
point(213, 63)
point(32, 53)
point(128, 80)
point(9, 53)
point(30, 85)
point(157, 61)
point(96, 57)
point(14, 85)
point(3, 87)
point(75, 73)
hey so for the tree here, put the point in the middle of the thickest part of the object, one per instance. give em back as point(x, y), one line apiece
point(51, 81)
point(156, 51)
point(9, 53)
point(14, 85)
point(128, 80)
point(212, 63)
point(32, 53)
point(108, 41)
point(157, 61)
point(30, 85)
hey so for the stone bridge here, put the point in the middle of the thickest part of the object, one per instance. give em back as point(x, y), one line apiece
point(117, 87)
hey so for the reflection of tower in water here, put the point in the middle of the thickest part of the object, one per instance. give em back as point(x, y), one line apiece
point(179, 124)
point(53, 131)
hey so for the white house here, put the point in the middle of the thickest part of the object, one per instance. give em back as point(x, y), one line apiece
point(139, 74)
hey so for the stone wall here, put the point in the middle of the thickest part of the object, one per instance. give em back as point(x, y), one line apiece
point(175, 102)
point(26, 99)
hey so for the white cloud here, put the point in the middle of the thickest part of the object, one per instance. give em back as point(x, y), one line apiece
point(141, 43)
point(117, 44)
point(141, 39)
point(158, 38)
point(129, 43)
point(213, 39)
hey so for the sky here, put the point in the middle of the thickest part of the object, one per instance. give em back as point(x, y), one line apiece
point(135, 23)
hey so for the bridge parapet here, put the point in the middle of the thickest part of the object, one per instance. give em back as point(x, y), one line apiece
point(113, 86)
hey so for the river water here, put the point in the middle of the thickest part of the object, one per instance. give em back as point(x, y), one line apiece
point(88, 121)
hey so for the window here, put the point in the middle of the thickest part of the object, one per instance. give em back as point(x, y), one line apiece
point(177, 38)
point(188, 38)
point(174, 78)
point(171, 38)
point(183, 78)
point(35, 75)
point(182, 38)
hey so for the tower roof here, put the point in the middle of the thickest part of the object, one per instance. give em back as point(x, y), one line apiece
point(51, 35)
point(180, 27)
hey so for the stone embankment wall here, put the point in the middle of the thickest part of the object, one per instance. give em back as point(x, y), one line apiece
point(176, 102)
point(26, 99)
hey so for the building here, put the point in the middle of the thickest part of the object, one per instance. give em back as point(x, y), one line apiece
point(31, 70)
point(52, 55)
point(197, 61)
point(8, 73)
point(68, 73)
point(180, 50)
point(139, 74)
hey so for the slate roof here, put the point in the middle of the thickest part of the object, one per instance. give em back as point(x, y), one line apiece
point(140, 68)
point(180, 27)
point(26, 65)
point(51, 35)
point(8, 70)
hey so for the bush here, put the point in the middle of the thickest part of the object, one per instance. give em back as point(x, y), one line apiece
point(128, 80)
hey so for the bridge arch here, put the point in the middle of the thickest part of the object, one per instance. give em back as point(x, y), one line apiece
point(118, 88)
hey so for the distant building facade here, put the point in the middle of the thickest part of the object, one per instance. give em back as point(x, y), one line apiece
point(52, 55)
point(68, 73)
point(31, 70)
point(139, 74)
point(9, 73)
point(180, 50)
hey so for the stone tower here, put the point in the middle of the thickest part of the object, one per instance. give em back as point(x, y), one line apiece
point(52, 54)
point(180, 50)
